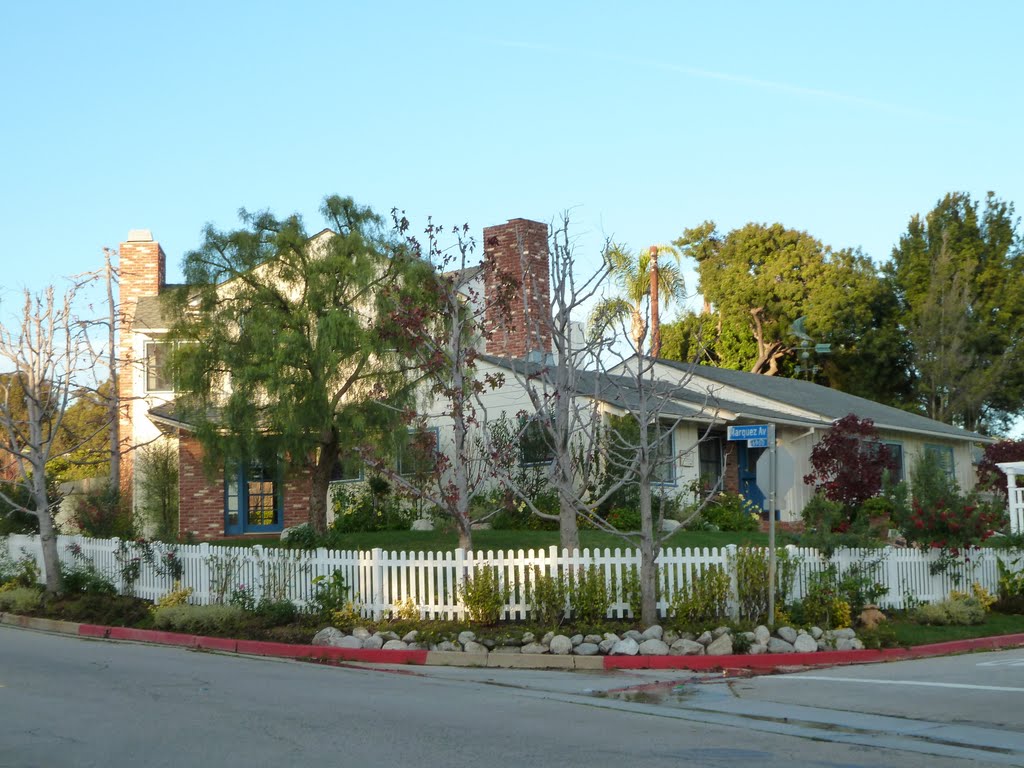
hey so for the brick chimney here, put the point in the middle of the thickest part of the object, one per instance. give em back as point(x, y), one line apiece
point(519, 248)
point(141, 272)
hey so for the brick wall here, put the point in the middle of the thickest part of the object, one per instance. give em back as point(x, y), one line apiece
point(142, 272)
point(519, 248)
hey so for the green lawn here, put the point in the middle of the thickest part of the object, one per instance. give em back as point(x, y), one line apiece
point(909, 633)
point(441, 541)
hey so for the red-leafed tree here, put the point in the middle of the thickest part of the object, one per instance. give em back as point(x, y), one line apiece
point(850, 462)
point(989, 475)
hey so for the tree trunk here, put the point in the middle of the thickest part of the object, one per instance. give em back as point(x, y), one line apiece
point(47, 535)
point(320, 483)
point(648, 557)
point(568, 528)
point(465, 526)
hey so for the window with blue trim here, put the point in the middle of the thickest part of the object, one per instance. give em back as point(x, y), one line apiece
point(534, 446)
point(253, 499)
point(348, 469)
point(943, 456)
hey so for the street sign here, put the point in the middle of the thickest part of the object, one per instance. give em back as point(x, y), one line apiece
point(757, 442)
point(748, 432)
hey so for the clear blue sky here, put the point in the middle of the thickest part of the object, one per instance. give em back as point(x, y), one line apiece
point(842, 119)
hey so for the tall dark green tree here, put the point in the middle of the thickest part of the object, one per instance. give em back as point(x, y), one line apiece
point(285, 352)
point(958, 276)
point(757, 280)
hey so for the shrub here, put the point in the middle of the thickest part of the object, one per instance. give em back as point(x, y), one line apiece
point(732, 512)
point(484, 595)
point(989, 475)
point(86, 578)
point(276, 613)
point(302, 537)
point(849, 462)
point(158, 486)
point(953, 610)
point(1011, 578)
point(624, 519)
point(703, 601)
point(367, 508)
point(823, 605)
point(405, 610)
point(331, 594)
point(103, 514)
point(177, 596)
point(588, 595)
point(20, 599)
point(199, 619)
point(978, 594)
point(752, 566)
point(547, 596)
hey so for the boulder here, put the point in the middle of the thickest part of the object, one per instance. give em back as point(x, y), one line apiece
point(449, 646)
point(633, 634)
point(762, 634)
point(717, 632)
point(846, 633)
point(670, 637)
point(576, 640)
point(394, 645)
point(722, 646)
point(472, 646)
point(805, 644)
point(586, 649)
point(328, 636)
point(560, 645)
point(653, 633)
point(668, 525)
point(287, 532)
point(705, 638)
point(593, 639)
point(410, 637)
point(527, 638)
point(653, 647)
point(606, 645)
point(611, 636)
point(374, 642)
point(778, 645)
point(684, 647)
point(756, 649)
point(787, 633)
point(816, 633)
point(534, 648)
point(361, 632)
point(466, 637)
point(422, 524)
point(546, 640)
point(386, 635)
point(627, 646)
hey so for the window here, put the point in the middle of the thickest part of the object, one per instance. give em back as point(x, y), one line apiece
point(943, 456)
point(418, 455)
point(158, 375)
point(253, 499)
point(895, 451)
point(348, 469)
point(534, 446)
point(709, 459)
point(665, 456)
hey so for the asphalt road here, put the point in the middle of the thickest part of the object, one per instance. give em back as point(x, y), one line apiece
point(73, 702)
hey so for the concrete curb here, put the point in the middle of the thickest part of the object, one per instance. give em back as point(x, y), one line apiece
point(330, 655)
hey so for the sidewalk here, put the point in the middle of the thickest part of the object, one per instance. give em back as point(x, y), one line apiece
point(327, 655)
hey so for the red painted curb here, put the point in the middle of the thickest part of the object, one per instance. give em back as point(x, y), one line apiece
point(217, 644)
point(152, 636)
point(962, 646)
point(92, 630)
point(370, 655)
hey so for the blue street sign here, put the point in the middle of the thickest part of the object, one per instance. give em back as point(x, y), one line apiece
point(757, 442)
point(749, 432)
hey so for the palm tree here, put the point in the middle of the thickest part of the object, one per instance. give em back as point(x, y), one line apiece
point(631, 273)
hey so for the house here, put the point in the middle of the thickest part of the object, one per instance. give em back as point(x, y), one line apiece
point(699, 403)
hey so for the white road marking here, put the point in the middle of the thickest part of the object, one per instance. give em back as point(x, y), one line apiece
point(870, 681)
point(1002, 663)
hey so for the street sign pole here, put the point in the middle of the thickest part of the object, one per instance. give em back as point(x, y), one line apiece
point(772, 485)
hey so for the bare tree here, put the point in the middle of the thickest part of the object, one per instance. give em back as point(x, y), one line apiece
point(46, 348)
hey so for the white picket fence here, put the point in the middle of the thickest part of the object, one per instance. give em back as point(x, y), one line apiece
point(380, 579)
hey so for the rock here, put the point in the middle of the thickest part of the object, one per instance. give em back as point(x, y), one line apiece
point(684, 647)
point(448, 645)
point(472, 646)
point(560, 645)
point(633, 634)
point(756, 649)
point(576, 640)
point(611, 636)
point(787, 633)
point(778, 645)
point(627, 646)
point(287, 532)
point(685, 636)
point(374, 642)
point(466, 637)
point(845, 632)
point(670, 637)
point(750, 637)
point(528, 637)
point(722, 646)
point(422, 525)
point(534, 648)
point(805, 644)
point(415, 646)
point(857, 643)
point(410, 637)
point(705, 639)
point(871, 617)
point(385, 636)
point(508, 649)
point(816, 633)
point(361, 632)
point(844, 644)
point(350, 641)
point(717, 632)
point(394, 645)
point(328, 636)
point(761, 634)
point(668, 525)
point(653, 633)
point(593, 639)
point(653, 647)
point(546, 640)
point(586, 649)
point(488, 643)
point(606, 645)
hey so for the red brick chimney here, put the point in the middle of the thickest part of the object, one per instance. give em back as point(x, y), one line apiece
point(519, 248)
point(141, 272)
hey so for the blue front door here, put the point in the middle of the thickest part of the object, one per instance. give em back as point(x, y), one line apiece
point(747, 460)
